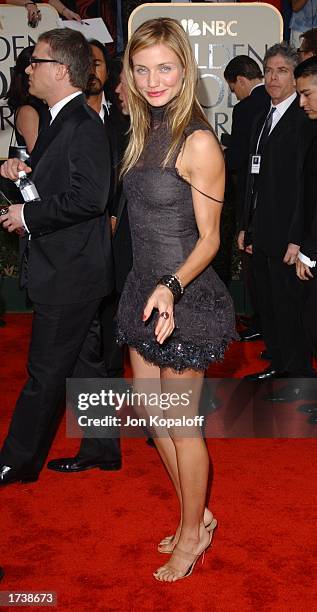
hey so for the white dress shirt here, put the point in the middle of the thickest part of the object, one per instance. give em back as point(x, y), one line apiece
point(306, 260)
point(279, 111)
point(281, 108)
point(54, 110)
point(105, 107)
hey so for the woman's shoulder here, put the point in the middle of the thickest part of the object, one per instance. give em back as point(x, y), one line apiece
point(200, 131)
point(198, 124)
point(25, 112)
point(200, 138)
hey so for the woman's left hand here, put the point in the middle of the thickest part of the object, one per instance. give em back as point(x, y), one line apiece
point(162, 299)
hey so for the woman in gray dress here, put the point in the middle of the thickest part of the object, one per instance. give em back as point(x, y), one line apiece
point(175, 314)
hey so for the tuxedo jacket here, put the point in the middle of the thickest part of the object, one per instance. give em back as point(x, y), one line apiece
point(243, 115)
point(237, 153)
point(117, 127)
point(276, 221)
point(69, 254)
point(122, 244)
point(309, 183)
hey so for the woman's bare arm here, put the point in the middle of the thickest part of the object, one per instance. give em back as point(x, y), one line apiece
point(27, 124)
point(202, 165)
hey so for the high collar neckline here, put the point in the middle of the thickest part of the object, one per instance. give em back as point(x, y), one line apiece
point(158, 112)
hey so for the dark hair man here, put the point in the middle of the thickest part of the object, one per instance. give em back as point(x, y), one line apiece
point(245, 79)
point(308, 44)
point(67, 263)
point(242, 74)
point(271, 216)
point(306, 83)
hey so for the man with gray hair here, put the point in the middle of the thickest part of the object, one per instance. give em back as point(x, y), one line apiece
point(271, 217)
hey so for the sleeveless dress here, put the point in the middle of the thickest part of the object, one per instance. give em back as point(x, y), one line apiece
point(164, 232)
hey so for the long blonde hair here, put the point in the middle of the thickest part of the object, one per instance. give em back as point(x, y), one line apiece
point(181, 109)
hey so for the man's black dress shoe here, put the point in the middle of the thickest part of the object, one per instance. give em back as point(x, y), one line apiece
point(313, 418)
point(263, 376)
point(9, 475)
point(76, 464)
point(308, 408)
point(265, 355)
point(292, 392)
point(248, 335)
point(285, 395)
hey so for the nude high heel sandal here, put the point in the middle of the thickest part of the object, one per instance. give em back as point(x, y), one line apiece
point(211, 526)
point(168, 570)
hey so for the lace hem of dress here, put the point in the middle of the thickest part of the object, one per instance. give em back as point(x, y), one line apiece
point(183, 355)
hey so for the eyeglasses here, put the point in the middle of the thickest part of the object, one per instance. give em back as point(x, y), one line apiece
point(38, 60)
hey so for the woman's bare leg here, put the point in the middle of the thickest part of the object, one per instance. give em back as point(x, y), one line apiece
point(193, 467)
point(143, 370)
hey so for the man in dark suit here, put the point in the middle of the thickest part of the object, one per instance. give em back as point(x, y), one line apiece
point(93, 450)
point(272, 217)
point(67, 261)
point(306, 82)
point(245, 80)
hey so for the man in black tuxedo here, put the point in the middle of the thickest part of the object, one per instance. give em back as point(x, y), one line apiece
point(306, 82)
point(92, 450)
point(245, 80)
point(67, 261)
point(272, 214)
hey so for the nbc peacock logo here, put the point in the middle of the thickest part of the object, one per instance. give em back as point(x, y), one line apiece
point(191, 27)
point(210, 28)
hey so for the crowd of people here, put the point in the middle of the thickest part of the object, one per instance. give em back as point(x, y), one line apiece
point(131, 179)
point(271, 148)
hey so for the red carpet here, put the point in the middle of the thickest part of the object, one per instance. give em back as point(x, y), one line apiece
point(92, 537)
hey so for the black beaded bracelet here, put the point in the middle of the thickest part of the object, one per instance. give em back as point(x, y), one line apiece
point(173, 284)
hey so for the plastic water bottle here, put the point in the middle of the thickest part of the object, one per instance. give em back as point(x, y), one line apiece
point(27, 188)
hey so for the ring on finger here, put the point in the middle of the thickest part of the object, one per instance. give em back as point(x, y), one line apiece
point(164, 315)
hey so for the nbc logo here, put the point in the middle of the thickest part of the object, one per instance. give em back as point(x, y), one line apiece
point(213, 28)
point(191, 27)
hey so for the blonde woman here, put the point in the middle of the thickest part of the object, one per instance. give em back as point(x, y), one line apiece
point(175, 314)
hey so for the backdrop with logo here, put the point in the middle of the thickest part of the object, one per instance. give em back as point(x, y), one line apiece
point(15, 35)
point(218, 32)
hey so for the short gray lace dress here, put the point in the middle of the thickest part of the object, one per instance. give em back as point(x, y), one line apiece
point(164, 232)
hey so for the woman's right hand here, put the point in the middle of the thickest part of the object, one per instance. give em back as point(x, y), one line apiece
point(161, 299)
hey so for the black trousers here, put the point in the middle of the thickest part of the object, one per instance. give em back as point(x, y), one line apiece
point(250, 285)
point(309, 311)
point(63, 338)
point(279, 298)
point(112, 352)
point(105, 449)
